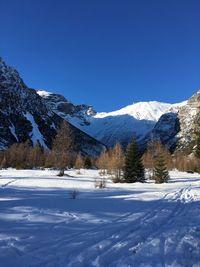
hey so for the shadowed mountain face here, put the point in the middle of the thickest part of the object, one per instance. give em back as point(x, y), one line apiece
point(25, 116)
point(29, 115)
point(173, 124)
point(165, 130)
point(143, 121)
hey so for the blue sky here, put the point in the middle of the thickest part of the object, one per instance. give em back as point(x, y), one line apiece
point(105, 53)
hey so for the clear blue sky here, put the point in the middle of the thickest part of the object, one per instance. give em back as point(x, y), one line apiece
point(105, 53)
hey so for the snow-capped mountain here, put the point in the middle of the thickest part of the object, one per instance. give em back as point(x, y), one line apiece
point(25, 116)
point(178, 130)
point(78, 114)
point(137, 120)
point(173, 124)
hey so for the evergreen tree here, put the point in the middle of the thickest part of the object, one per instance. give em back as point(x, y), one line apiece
point(197, 150)
point(134, 170)
point(87, 163)
point(161, 174)
point(154, 149)
point(197, 154)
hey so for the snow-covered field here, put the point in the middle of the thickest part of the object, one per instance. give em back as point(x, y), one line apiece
point(140, 225)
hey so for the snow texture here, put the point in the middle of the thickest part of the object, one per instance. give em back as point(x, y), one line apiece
point(35, 135)
point(139, 225)
point(13, 131)
point(136, 120)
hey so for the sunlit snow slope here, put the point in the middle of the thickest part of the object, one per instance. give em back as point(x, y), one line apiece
point(135, 120)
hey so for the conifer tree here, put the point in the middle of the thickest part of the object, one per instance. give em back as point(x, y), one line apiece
point(197, 150)
point(87, 163)
point(197, 154)
point(134, 170)
point(154, 149)
point(161, 174)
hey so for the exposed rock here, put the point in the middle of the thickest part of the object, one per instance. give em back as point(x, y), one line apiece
point(189, 117)
point(65, 109)
point(165, 131)
point(25, 116)
point(178, 130)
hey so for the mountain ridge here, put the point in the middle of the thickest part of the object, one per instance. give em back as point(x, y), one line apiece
point(25, 116)
point(137, 120)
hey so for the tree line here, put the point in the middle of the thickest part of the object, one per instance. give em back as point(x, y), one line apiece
point(123, 165)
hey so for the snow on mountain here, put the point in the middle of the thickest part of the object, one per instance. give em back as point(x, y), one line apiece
point(179, 130)
point(16, 100)
point(77, 114)
point(35, 134)
point(141, 111)
point(136, 120)
point(24, 115)
point(189, 117)
point(174, 124)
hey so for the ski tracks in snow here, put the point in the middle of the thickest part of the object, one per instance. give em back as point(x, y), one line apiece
point(164, 235)
point(135, 242)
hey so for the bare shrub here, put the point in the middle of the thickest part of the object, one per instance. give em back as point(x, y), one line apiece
point(100, 183)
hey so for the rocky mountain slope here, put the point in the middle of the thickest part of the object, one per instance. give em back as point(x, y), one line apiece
point(189, 118)
point(25, 116)
point(178, 130)
point(143, 120)
point(174, 124)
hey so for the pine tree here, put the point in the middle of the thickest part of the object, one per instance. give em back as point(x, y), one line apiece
point(154, 149)
point(197, 154)
point(87, 163)
point(161, 174)
point(197, 150)
point(63, 147)
point(134, 170)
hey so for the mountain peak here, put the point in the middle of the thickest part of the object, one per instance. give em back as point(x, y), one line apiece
point(24, 115)
point(151, 110)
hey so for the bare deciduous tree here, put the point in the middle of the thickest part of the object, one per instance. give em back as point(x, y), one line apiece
point(63, 147)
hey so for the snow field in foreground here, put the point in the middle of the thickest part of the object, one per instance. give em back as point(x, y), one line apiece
point(139, 225)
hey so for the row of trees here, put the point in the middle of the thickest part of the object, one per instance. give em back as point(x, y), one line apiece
point(124, 166)
point(62, 155)
point(130, 166)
